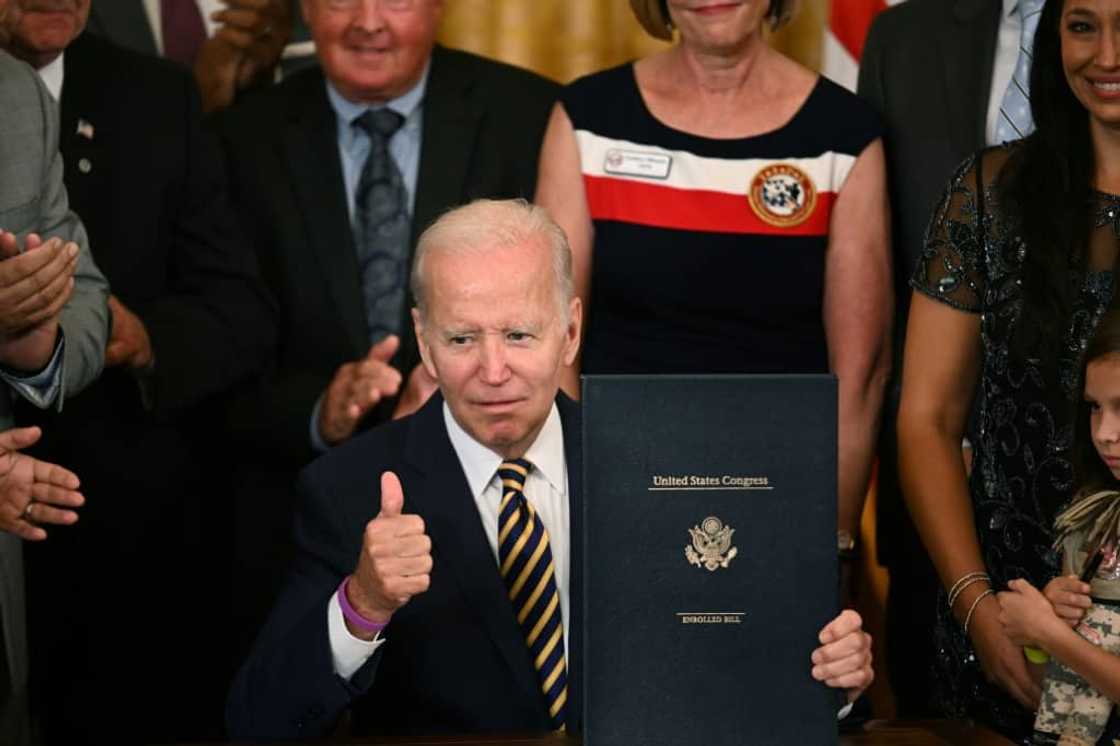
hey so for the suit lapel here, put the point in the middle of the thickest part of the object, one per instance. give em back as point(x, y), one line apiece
point(311, 151)
point(83, 129)
point(451, 122)
point(459, 541)
point(968, 44)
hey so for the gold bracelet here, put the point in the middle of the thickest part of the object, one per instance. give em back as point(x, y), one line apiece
point(964, 583)
point(975, 603)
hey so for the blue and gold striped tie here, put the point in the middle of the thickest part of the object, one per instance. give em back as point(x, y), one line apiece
point(530, 576)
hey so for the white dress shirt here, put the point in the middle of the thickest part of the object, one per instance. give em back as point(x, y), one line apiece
point(51, 74)
point(546, 488)
point(1003, 67)
point(205, 8)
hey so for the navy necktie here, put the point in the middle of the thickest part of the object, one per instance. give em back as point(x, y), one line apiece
point(381, 227)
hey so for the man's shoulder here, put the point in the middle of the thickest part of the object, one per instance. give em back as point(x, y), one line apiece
point(490, 76)
point(274, 104)
point(17, 79)
point(362, 457)
point(132, 65)
point(113, 77)
point(341, 490)
point(912, 18)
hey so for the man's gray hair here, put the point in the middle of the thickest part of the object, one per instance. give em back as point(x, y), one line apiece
point(488, 223)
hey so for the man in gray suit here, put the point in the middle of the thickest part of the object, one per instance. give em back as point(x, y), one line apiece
point(54, 325)
point(939, 72)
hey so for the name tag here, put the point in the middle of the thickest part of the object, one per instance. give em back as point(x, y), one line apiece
point(635, 163)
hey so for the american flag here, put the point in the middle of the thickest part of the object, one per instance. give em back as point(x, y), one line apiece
point(85, 129)
point(848, 23)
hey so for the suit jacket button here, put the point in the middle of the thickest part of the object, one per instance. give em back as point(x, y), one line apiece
point(85, 166)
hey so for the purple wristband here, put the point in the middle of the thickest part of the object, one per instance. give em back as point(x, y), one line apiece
point(352, 614)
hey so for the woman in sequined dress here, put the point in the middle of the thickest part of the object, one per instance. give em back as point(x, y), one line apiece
point(1016, 273)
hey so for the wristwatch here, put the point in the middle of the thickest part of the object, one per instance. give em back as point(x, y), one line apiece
point(845, 544)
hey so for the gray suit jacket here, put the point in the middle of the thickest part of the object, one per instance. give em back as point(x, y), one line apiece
point(33, 199)
point(927, 69)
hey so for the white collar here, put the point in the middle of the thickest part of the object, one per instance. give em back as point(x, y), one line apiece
point(546, 454)
point(52, 74)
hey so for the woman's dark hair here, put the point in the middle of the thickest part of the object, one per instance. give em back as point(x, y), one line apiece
point(1093, 474)
point(1046, 185)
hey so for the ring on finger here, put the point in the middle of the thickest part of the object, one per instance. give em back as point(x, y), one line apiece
point(27, 512)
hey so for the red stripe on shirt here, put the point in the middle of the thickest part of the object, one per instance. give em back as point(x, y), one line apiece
point(660, 206)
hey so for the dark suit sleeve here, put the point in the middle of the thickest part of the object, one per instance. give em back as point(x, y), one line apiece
point(287, 688)
point(216, 327)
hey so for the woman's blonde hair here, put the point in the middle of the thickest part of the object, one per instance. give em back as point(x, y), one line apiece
point(654, 16)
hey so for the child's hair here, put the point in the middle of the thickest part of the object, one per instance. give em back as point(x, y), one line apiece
point(1093, 474)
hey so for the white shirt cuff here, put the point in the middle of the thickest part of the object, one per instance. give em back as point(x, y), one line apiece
point(348, 652)
point(42, 388)
point(845, 711)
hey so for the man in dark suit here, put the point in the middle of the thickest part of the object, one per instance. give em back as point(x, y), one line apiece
point(437, 585)
point(318, 192)
point(191, 319)
point(937, 71)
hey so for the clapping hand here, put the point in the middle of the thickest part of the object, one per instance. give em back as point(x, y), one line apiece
point(34, 286)
point(33, 492)
point(356, 388)
point(130, 344)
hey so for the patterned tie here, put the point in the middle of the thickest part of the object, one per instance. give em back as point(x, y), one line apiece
point(527, 568)
point(381, 227)
point(182, 29)
point(1015, 119)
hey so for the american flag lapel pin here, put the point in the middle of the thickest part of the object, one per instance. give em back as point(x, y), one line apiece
point(85, 129)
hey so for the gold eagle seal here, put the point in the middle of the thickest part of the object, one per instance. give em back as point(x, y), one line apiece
point(711, 545)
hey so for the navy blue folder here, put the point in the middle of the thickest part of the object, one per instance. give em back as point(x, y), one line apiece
point(709, 559)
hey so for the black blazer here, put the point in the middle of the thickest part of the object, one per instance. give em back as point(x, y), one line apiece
point(927, 69)
point(454, 660)
point(483, 124)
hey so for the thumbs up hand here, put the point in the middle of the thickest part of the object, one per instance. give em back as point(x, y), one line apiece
point(395, 563)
